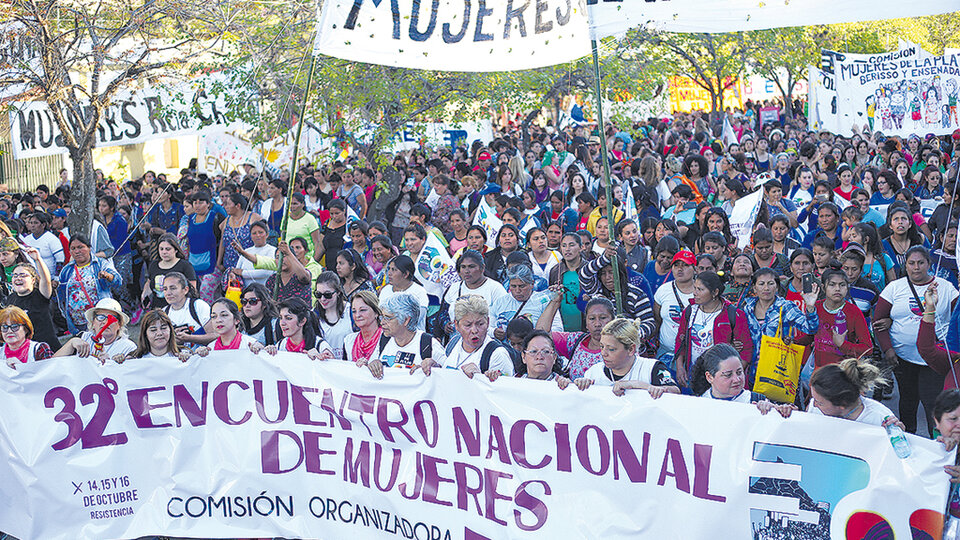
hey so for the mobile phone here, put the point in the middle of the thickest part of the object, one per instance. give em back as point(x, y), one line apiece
point(807, 283)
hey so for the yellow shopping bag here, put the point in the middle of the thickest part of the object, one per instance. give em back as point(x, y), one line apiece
point(778, 367)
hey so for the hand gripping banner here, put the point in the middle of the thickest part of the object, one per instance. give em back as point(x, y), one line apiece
point(238, 445)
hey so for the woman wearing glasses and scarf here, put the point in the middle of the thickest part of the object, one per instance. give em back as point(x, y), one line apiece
point(107, 335)
point(18, 345)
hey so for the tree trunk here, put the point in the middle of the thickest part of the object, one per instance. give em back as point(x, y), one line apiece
point(83, 192)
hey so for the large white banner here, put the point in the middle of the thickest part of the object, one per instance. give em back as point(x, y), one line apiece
point(133, 117)
point(454, 35)
point(439, 134)
point(19, 58)
point(610, 17)
point(236, 445)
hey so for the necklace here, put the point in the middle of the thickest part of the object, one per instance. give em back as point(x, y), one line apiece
point(855, 409)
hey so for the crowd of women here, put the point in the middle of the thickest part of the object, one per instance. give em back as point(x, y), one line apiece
point(850, 257)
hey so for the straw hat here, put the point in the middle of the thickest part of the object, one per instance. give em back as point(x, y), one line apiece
point(111, 305)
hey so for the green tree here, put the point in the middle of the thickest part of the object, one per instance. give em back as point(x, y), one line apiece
point(92, 51)
point(782, 56)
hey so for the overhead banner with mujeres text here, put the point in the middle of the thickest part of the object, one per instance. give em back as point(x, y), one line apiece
point(238, 445)
point(454, 35)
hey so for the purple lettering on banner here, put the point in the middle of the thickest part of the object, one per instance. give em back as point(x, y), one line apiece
point(93, 436)
point(282, 400)
point(313, 453)
point(140, 407)
point(386, 425)
point(524, 499)
point(674, 457)
point(497, 441)
point(623, 453)
point(432, 480)
point(196, 413)
point(394, 467)
point(518, 444)
point(702, 453)
point(428, 437)
point(270, 451)
point(464, 488)
point(583, 450)
point(361, 465)
point(67, 415)
point(362, 405)
point(302, 406)
point(221, 403)
point(465, 434)
point(417, 482)
point(491, 496)
point(327, 404)
point(564, 454)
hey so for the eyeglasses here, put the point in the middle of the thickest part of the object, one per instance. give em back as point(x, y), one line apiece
point(325, 295)
point(249, 301)
point(10, 327)
point(101, 317)
point(544, 353)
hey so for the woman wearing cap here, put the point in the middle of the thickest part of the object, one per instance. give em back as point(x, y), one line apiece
point(107, 335)
point(157, 339)
point(622, 368)
point(31, 292)
point(669, 302)
point(84, 281)
point(401, 277)
point(18, 344)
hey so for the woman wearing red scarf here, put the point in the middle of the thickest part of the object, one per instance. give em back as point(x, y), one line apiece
point(226, 325)
point(359, 346)
point(299, 327)
point(17, 330)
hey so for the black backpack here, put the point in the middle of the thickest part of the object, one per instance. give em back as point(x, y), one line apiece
point(426, 345)
point(487, 353)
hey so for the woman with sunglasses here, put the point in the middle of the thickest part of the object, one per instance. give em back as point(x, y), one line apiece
point(359, 346)
point(353, 272)
point(225, 317)
point(331, 311)
point(18, 345)
point(299, 330)
point(107, 335)
point(157, 339)
point(258, 311)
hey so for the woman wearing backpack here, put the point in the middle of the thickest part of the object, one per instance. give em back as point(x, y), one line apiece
point(190, 315)
point(402, 345)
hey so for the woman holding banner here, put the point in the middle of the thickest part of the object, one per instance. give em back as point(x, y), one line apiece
point(359, 347)
point(18, 345)
point(622, 368)
point(839, 391)
point(157, 339)
point(299, 328)
point(718, 374)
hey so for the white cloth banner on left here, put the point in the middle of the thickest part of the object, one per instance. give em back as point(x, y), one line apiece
point(453, 35)
point(237, 445)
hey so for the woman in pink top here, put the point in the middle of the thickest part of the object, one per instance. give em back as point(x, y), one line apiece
point(580, 350)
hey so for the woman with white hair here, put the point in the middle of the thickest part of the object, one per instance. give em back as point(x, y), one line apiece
point(522, 301)
point(402, 345)
point(475, 351)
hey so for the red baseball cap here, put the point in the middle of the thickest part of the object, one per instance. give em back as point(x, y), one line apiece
point(685, 256)
point(483, 156)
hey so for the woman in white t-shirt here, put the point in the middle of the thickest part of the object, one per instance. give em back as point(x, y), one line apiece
point(299, 327)
point(402, 344)
point(838, 390)
point(190, 315)
point(719, 374)
point(400, 274)
point(107, 335)
point(157, 339)
point(622, 368)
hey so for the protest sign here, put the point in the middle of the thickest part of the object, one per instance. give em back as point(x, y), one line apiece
point(132, 117)
point(487, 218)
point(769, 115)
point(450, 35)
point(687, 95)
point(434, 268)
point(743, 217)
point(238, 445)
point(612, 17)
point(437, 134)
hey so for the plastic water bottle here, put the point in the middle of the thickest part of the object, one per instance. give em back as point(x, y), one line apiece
point(951, 530)
point(841, 322)
point(899, 441)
